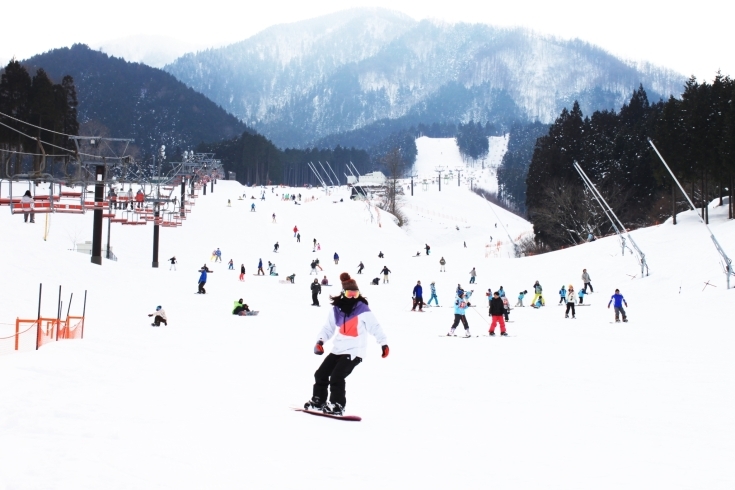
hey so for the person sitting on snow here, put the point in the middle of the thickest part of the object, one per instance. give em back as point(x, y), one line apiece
point(240, 308)
point(160, 317)
point(325, 281)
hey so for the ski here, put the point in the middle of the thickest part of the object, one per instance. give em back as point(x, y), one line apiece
point(351, 418)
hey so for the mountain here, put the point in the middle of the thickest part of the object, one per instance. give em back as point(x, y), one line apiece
point(132, 100)
point(300, 82)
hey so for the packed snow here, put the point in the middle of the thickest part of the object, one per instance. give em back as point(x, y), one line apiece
point(205, 401)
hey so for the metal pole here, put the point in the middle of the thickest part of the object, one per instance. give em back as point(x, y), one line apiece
point(728, 262)
point(99, 190)
point(68, 309)
point(156, 213)
point(212, 188)
point(58, 315)
point(336, 179)
point(411, 185)
point(38, 317)
point(109, 221)
point(182, 208)
point(327, 173)
point(84, 311)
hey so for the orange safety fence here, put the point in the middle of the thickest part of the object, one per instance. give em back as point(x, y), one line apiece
point(32, 334)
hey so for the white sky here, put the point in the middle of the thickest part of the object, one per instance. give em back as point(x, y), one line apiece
point(691, 39)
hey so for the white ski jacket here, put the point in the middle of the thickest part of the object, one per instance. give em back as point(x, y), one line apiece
point(571, 297)
point(350, 331)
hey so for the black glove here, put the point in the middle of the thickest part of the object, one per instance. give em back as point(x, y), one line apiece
point(318, 349)
point(386, 351)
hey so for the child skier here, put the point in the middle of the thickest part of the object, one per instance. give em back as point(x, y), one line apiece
point(230, 265)
point(563, 294)
point(571, 299)
point(521, 295)
point(581, 294)
point(506, 307)
point(442, 263)
point(433, 295)
point(619, 300)
point(349, 322)
point(242, 272)
point(460, 307)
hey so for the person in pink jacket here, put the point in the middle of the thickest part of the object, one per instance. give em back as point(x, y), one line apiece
point(349, 322)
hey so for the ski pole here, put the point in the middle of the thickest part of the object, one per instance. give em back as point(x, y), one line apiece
point(483, 318)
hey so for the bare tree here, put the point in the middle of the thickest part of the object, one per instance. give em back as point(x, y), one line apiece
point(395, 167)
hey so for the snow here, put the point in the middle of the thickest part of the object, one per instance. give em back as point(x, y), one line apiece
point(204, 402)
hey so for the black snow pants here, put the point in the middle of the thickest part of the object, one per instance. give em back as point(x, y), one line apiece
point(457, 319)
point(314, 299)
point(570, 305)
point(331, 374)
point(201, 287)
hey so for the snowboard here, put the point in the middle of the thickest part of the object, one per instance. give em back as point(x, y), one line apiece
point(283, 281)
point(250, 313)
point(351, 418)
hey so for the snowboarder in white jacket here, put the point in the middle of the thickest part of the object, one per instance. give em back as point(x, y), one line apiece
point(349, 322)
point(571, 299)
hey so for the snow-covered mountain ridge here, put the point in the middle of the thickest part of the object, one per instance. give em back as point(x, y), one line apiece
point(299, 82)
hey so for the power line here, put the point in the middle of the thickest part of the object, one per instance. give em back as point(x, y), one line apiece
point(33, 125)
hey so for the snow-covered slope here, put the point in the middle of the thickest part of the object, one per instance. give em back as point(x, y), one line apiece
point(203, 403)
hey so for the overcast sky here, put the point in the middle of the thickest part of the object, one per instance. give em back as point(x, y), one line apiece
point(693, 39)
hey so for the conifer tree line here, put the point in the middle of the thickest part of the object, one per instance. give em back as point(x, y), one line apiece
point(42, 103)
point(694, 133)
point(472, 140)
point(257, 161)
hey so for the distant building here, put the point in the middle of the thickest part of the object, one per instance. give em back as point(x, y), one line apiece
point(376, 178)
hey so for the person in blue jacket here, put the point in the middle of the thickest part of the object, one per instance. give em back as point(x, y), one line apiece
point(433, 295)
point(336, 258)
point(563, 294)
point(203, 279)
point(260, 268)
point(618, 300)
point(418, 297)
point(460, 307)
point(581, 294)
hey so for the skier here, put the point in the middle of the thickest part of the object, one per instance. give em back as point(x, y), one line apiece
point(418, 297)
point(203, 280)
point(360, 267)
point(260, 267)
point(316, 289)
point(506, 307)
point(242, 272)
point(433, 294)
point(501, 292)
point(538, 294)
point(252, 207)
point(473, 273)
point(298, 237)
point(427, 248)
point(336, 258)
point(460, 307)
point(240, 308)
point(160, 317)
point(218, 255)
point(318, 246)
point(586, 279)
point(313, 267)
point(497, 310)
point(442, 263)
point(581, 294)
point(27, 204)
point(275, 247)
point(313, 246)
point(274, 218)
point(489, 295)
point(521, 295)
point(380, 255)
point(173, 263)
point(230, 265)
point(563, 294)
point(349, 321)
point(385, 273)
point(295, 231)
point(316, 262)
point(571, 299)
point(619, 300)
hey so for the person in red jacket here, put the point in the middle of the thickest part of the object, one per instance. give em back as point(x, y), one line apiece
point(295, 231)
point(497, 310)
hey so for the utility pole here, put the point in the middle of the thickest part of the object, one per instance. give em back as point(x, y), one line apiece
point(412, 176)
point(459, 176)
point(439, 170)
point(99, 191)
point(157, 205)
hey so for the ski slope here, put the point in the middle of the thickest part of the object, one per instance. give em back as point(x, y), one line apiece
point(204, 402)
